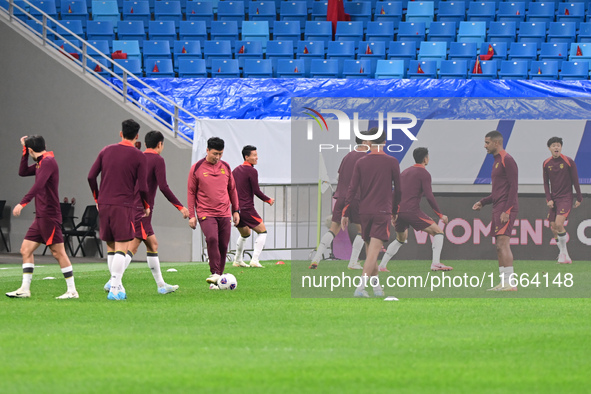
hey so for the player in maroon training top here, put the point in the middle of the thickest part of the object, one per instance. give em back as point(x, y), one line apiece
point(505, 206)
point(345, 174)
point(372, 180)
point(416, 182)
point(47, 226)
point(156, 179)
point(560, 175)
point(121, 167)
point(212, 199)
point(247, 186)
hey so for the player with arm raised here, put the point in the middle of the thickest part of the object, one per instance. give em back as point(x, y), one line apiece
point(416, 183)
point(213, 201)
point(121, 166)
point(560, 175)
point(156, 179)
point(505, 205)
point(247, 186)
point(46, 228)
point(373, 178)
point(345, 174)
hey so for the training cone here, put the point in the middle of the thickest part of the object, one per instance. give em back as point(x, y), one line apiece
point(280, 263)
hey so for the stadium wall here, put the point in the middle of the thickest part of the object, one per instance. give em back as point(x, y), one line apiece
point(39, 96)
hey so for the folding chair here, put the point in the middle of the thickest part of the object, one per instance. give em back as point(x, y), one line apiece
point(2, 204)
point(87, 228)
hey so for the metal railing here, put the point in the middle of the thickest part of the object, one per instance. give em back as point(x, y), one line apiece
point(170, 108)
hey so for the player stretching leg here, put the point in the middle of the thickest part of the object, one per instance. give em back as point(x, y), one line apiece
point(560, 175)
point(345, 174)
point(156, 179)
point(372, 180)
point(505, 205)
point(416, 182)
point(247, 186)
point(46, 228)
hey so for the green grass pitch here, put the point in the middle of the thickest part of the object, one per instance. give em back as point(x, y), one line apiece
point(257, 339)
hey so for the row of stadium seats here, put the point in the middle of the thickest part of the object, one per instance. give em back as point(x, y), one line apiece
point(322, 68)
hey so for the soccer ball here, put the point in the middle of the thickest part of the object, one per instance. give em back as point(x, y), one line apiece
point(227, 282)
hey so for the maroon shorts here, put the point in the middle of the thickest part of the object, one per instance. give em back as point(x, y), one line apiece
point(375, 226)
point(499, 228)
point(418, 220)
point(117, 223)
point(143, 225)
point(353, 211)
point(46, 231)
point(249, 218)
point(561, 207)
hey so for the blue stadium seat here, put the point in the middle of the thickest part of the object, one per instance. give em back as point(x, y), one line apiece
point(532, 32)
point(428, 68)
point(481, 12)
point(159, 68)
point(389, 69)
point(156, 50)
point(248, 50)
point(105, 11)
point(287, 30)
point(186, 49)
point(357, 69)
point(502, 32)
point(100, 68)
point(225, 30)
point(472, 32)
point(359, 11)
point(72, 46)
point(402, 50)
point(514, 69)
point(540, 12)
point(389, 11)
point(100, 30)
point(162, 30)
point(341, 51)
point(279, 50)
point(411, 31)
point(442, 31)
point(500, 49)
point(290, 68)
point(584, 48)
point(263, 11)
point(319, 9)
point(380, 31)
point(544, 70)
point(133, 66)
point(294, 11)
point(511, 12)
point(131, 30)
point(309, 50)
point(168, 11)
point(320, 68)
point(372, 51)
point(47, 6)
point(433, 50)
point(74, 26)
point(193, 30)
point(256, 31)
point(584, 32)
point(562, 32)
point(576, 12)
point(192, 68)
point(574, 70)
point(38, 27)
point(453, 69)
point(216, 49)
point(200, 11)
point(132, 48)
point(349, 31)
point(489, 70)
point(420, 11)
point(75, 10)
point(318, 31)
point(462, 51)
point(102, 47)
point(554, 51)
point(225, 68)
point(231, 11)
point(258, 68)
point(451, 11)
point(137, 11)
point(527, 51)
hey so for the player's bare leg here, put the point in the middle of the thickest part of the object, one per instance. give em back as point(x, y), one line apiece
point(239, 257)
point(370, 269)
point(59, 253)
point(505, 257)
point(356, 248)
point(392, 250)
point(560, 235)
point(27, 249)
point(325, 242)
point(259, 244)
